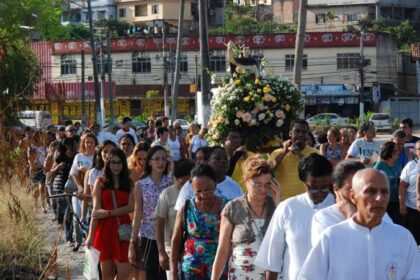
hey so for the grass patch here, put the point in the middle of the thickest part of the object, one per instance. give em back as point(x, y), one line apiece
point(22, 253)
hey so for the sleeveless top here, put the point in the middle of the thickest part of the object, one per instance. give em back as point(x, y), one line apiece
point(175, 148)
point(330, 154)
point(150, 194)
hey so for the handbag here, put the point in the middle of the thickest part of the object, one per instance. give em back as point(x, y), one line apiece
point(70, 186)
point(124, 230)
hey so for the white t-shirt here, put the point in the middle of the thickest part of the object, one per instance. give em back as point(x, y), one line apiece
point(93, 175)
point(349, 251)
point(227, 188)
point(361, 148)
point(175, 148)
point(328, 217)
point(287, 241)
point(409, 175)
point(120, 133)
point(80, 160)
point(196, 143)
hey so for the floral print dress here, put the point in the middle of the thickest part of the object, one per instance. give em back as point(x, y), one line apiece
point(243, 256)
point(202, 239)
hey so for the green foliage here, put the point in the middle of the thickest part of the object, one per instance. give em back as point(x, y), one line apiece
point(405, 33)
point(143, 117)
point(152, 93)
point(118, 28)
point(242, 20)
point(74, 32)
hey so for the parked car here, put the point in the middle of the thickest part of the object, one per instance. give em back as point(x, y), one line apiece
point(327, 119)
point(382, 121)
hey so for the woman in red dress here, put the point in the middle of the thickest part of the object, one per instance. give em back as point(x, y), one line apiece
point(103, 234)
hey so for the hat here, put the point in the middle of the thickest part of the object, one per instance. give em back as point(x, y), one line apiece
point(71, 128)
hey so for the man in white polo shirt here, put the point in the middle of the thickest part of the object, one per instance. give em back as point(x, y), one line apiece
point(364, 247)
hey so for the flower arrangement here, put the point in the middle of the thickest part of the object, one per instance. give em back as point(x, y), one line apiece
point(258, 108)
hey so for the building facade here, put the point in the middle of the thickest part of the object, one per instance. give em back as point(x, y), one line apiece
point(76, 11)
point(338, 15)
point(138, 69)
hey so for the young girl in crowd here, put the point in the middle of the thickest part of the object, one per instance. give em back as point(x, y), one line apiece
point(112, 201)
point(144, 252)
point(137, 161)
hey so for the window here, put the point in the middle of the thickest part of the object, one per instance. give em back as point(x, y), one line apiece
point(101, 14)
point(140, 10)
point(218, 61)
point(68, 65)
point(141, 63)
point(320, 18)
point(155, 9)
point(349, 17)
point(348, 60)
point(122, 12)
point(183, 67)
point(289, 62)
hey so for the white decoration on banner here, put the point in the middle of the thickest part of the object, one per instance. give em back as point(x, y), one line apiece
point(186, 41)
point(258, 39)
point(72, 45)
point(279, 38)
point(140, 42)
point(328, 37)
point(307, 37)
point(347, 37)
point(57, 46)
point(240, 39)
point(368, 36)
point(220, 40)
point(122, 43)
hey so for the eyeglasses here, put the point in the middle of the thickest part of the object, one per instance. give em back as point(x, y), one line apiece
point(115, 162)
point(258, 185)
point(159, 159)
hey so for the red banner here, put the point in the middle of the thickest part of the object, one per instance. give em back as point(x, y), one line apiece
point(140, 44)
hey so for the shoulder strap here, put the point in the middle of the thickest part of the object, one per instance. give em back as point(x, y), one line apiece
point(114, 201)
point(187, 203)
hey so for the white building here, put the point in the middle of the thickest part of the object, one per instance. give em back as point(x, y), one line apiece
point(76, 11)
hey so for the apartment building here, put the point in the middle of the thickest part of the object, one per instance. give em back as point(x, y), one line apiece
point(330, 58)
point(338, 15)
point(76, 11)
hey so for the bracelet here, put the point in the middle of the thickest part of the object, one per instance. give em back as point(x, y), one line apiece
point(108, 213)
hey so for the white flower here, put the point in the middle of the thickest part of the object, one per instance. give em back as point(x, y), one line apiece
point(253, 122)
point(261, 116)
point(226, 122)
point(237, 122)
point(279, 122)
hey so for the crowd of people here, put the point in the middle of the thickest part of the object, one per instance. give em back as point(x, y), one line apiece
point(163, 204)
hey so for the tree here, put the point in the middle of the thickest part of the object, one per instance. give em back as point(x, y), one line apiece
point(19, 69)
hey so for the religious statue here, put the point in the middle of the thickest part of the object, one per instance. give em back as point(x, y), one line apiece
point(245, 64)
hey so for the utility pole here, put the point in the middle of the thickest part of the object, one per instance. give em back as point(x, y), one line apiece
point(95, 66)
point(177, 61)
point(109, 65)
point(300, 42)
point(165, 71)
point(362, 76)
point(103, 88)
point(83, 91)
point(205, 60)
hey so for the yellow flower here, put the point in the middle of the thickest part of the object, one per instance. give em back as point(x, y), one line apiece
point(251, 93)
point(273, 99)
point(246, 99)
point(266, 89)
point(287, 107)
point(259, 90)
point(257, 81)
point(237, 82)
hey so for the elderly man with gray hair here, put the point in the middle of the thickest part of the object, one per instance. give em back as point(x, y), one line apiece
point(364, 247)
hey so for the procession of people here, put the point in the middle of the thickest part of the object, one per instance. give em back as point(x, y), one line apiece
point(172, 207)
